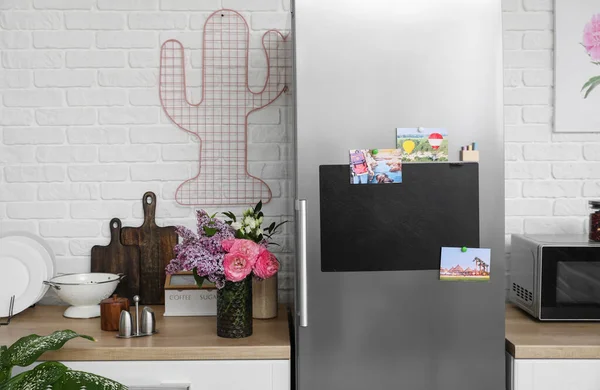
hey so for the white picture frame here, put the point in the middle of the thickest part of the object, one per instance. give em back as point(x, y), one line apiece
point(574, 67)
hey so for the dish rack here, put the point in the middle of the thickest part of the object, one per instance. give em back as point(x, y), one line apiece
point(11, 308)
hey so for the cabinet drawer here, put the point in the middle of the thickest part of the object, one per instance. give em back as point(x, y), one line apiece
point(192, 375)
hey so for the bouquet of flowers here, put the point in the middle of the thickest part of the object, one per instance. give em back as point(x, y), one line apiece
point(591, 43)
point(228, 250)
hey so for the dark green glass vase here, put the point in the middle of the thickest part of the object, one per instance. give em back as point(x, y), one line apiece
point(234, 309)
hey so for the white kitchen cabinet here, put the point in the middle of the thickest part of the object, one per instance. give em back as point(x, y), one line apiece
point(553, 374)
point(193, 375)
point(547, 355)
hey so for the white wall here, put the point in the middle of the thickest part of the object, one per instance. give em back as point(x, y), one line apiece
point(549, 176)
point(83, 134)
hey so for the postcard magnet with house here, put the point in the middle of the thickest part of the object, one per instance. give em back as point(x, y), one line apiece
point(465, 264)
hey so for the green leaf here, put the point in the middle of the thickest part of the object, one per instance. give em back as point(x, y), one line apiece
point(592, 87)
point(239, 234)
point(258, 207)
point(590, 82)
point(260, 215)
point(279, 225)
point(39, 378)
point(199, 279)
point(230, 215)
point(12, 383)
point(213, 216)
point(270, 228)
point(5, 372)
point(28, 349)
point(210, 231)
point(72, 380)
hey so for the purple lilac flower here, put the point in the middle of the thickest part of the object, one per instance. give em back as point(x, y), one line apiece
point(185, 233)
point(201, 251)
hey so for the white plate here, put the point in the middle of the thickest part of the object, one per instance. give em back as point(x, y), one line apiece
point(38, 244)
point(22, 272)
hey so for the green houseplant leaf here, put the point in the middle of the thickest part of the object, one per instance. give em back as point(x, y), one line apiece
point(27, 349)
point(75, 380)
point(39, 378)
point(4, 371)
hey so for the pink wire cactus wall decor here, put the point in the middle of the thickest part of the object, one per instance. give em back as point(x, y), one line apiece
point(220, 118)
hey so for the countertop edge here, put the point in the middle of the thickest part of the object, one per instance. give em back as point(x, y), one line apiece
point(174, 354)
point(555, 352)
point(180, 339)
point(527, 338)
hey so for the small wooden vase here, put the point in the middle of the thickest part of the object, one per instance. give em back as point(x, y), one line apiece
point(264, 298)
point(110, 312)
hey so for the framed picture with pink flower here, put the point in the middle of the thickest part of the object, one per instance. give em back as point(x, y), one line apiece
point(577, 67)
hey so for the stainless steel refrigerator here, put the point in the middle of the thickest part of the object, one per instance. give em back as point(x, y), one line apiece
point(373, 317)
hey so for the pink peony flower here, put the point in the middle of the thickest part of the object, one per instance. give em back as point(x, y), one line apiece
point(266, 264)
point(248, 248)
point(237, 266)
point(227, 244)
point(591, 37)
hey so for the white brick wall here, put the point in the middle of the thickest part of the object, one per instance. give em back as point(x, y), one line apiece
point(83, 135)
point(549, 177)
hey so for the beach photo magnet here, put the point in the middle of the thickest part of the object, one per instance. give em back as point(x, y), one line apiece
point(420, 144)
point(465, 264)
point(375, 166)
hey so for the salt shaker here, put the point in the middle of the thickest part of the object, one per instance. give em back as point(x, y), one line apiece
point(125, 325)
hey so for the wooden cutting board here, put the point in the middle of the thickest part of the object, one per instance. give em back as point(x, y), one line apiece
point(156, 251)
point(118, 258)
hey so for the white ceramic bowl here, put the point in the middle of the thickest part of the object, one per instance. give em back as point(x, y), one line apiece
point(84, 292)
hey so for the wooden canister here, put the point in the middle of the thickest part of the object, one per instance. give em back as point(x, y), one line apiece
point(110, 312)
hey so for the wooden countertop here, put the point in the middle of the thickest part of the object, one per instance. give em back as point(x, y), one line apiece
point(179, 338)
point(527, 338)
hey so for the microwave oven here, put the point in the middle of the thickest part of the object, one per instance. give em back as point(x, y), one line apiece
point(555, 277)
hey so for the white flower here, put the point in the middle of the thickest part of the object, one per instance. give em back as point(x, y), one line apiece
point(260, 220)
point(247, 230)
point(247, 220)
point(236, 225)
point(252, 224)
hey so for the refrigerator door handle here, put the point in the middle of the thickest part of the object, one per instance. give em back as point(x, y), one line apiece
point(301, 269)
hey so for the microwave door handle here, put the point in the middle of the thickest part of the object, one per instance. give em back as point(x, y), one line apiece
point(302, 266)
